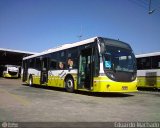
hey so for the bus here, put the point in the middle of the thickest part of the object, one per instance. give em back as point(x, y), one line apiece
point(10, 71)
point(148, 70)
point(97, 65)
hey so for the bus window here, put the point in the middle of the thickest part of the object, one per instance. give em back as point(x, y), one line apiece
point(31, 63)
point(72, 58)
point(61, 59)
point(38, 63)
point(53, 64)
point(156, 62)
point(144, 63)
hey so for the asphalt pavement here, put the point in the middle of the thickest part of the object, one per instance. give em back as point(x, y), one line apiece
point(21, 103)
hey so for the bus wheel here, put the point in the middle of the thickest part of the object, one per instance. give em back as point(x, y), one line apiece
point(69, 85)
point(30, 81)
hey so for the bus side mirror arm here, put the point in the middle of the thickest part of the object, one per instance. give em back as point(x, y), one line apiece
point(113, 67)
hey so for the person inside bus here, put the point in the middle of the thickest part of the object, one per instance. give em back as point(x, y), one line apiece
point(70, 63)
point(61, 65)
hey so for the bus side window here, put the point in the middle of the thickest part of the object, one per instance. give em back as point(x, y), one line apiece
point(38, 64)
point(53, 61)
point(61, 59)
point(72, 55)
point(32, 63)
point(53, 64)
point(156, 62)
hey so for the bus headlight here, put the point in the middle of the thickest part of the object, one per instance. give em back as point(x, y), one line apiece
point(133, 77)
point(111, 75)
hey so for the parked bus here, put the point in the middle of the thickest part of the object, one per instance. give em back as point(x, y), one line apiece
point(148, 70)
point(10, 71)
point(96, 65)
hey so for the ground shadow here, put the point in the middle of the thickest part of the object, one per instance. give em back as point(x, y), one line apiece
point(104, 94)
point(96, 94)
point(46, 87)
point(10, 78)
point(148, 89)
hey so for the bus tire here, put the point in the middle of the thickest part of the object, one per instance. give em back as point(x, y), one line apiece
point(69, 84)
point(30, 80)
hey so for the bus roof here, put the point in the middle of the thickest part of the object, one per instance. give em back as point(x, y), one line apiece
point(62, 47)
point(148, 54)
point(70, 45)
point(9, 65)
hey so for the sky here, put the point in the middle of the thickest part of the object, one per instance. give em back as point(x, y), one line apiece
point(38, 25)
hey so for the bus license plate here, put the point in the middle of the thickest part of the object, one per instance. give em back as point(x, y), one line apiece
point(124, 88)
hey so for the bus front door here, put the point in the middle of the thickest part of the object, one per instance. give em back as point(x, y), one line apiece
point(44, 71)
point(85, 72)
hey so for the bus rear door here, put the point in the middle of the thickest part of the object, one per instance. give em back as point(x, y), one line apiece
point(44, 71)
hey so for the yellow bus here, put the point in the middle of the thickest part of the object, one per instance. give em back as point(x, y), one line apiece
point(148, 70)
point(96, 65)
point(10, 71)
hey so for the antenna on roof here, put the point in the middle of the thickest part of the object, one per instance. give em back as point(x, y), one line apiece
point(150, 11)
point(80, 36)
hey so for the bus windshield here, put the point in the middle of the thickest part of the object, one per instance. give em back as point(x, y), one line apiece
point(119, 59)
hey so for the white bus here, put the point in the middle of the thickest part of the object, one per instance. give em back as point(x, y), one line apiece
point(96, 65)
point(10, 71)
point(148, 70)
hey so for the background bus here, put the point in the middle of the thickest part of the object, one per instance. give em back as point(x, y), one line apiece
point(10, 71)
point(96, 64)
point(148, 72)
